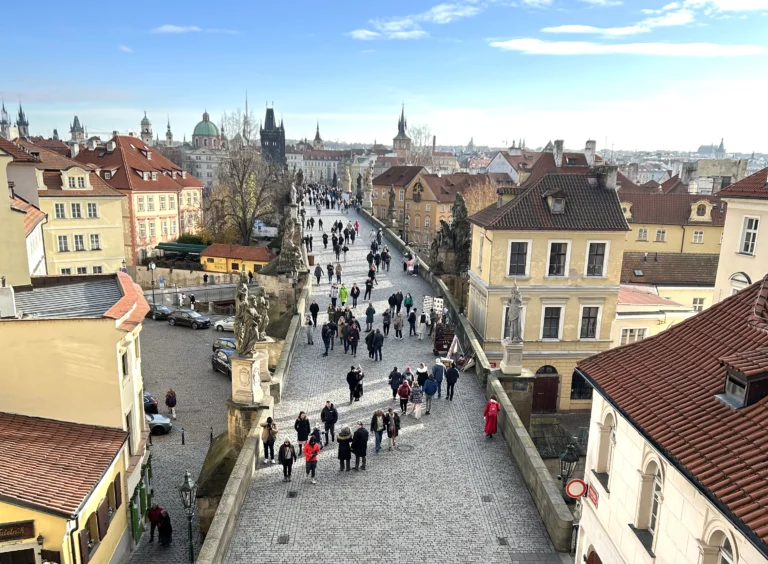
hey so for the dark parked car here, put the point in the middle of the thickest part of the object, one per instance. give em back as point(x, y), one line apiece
point(150, 403)
point(158, 424)
point(190, 318)
point(226, 343)
point(221, 361)
point(158, 311)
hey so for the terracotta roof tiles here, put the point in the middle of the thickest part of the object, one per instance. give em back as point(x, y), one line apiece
point(446, 186)
point(674, 269)
point(32, 214)
point(18, 153)
point(53, 465)
point(397, 175)
point(749, 363)
point(672, 209)
point(255, 254)
point(666, 385)
point(753, 186)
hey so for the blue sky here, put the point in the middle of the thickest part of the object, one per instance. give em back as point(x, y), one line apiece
point(641, 74)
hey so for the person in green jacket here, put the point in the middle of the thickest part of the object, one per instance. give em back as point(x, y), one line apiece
point(343, 294)
point(408, 303)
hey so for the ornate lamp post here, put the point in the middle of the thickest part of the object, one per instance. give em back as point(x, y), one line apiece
point(152, 267)
point(568, 461)
point(188, 494)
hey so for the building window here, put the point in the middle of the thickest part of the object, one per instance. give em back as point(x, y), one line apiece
point(661, 236)
point(427, 223)
point(427, 207)
point(551, 326)
point(580, 388)
point(701, 210)
point(725, 555)
point(642, 234)
point(653, 518)
point(589, 322)
point(154, 175)
point(749, 235)
point(77, 213)
point(60, 213)
point(164, 227)
point(162, 203)
point(605, 448)
point(171, 202)
point(140, 202)
point(189, 198)
point(79, 242)
point(142, 229)
point(633, 335)
point(442, 208)
point(81, 182)
point(558, 255)
point(82, 270)
point(698, 304)
point(63, 242)
point(595, 259)
point(125, 364)
point(400, 214)
point(150, 203)
point(95, 242)
point(518, 258)
point(173, 227)
point(71, 182)
point(152, 228)
point(98, 270)
point(407, 205)
point(93, 210)
point(66, 271)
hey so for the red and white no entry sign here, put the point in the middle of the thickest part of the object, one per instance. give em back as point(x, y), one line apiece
point(576, 488)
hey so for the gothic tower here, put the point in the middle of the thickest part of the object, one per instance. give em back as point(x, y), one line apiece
point(272, 138)
point(168, 134)
point(5, 123)
point(317, 143)
point(22, 123)
point(77, 131)
point(146, 130)
point(402, 143)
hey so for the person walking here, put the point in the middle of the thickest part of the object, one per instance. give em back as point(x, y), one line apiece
point(451, 377)
point(333, 293)
point(329, 416)
point(155, 515)
point(398, 326)
point(377, 261)
point(360, 445)
point(311, 241)
point(386, 320)
point(344, 250)
point(369, 343)
point(377, 428)
point(326, 334)
point(250, 277)
point(421, 374)
point(408, 303)
point(343, 294)
point(369, 258)
point(354, 337)
point(392, 301)
point(310, 328)
point(170, 402)
point(338, 272)
point(398, 301)
point(412, 323)
point(404, 393)
point(286, 456)
point(344, 439)
point(355, 293)
point(325, 241)
point(395, 379)
point(490, 415)
point(358, 392)
point(318, 273)
point(352, 382)
point(392, 423)
point(368, 288)
point(192, 301)
point(369, 313)
point(438, 372)
point(329, 269)
point(378, 343)
point(311, 452)
point(372, 275)
point(314, 309)
point(268, 436)
point(302, 427)
point(408, 376)
point(345, 335)
point(165, 529)
point(429, 389)
point(357, 227)
point(432, 320)
point(422, 329)
point(416, 397)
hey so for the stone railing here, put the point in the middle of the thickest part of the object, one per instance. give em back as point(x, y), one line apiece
point(216, 545)
point(556, 516)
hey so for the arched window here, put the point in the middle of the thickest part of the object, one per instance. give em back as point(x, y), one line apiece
point(605, 449)
point(426, 223)
point(649, 510)
point(547, 369)
point(701, 210)
point(725, 555)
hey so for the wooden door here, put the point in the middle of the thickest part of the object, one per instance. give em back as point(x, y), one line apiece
point(593, 558)
point(545, 393)
point(18, 557)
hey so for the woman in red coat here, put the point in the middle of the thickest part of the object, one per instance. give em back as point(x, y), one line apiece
point(490, 414)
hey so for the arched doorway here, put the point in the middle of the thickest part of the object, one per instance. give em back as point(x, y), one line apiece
point(545, 389)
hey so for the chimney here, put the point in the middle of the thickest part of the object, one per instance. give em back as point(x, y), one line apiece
point(589, 151)
point(74, 150)
point(632, 171)
point(434, 143)
point(606, 175)
point(110, 146)
point(92, 144)
point(558, 153)
point(115, 133)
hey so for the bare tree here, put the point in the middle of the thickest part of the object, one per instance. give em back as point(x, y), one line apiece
point(479, 194)
point(421, 146)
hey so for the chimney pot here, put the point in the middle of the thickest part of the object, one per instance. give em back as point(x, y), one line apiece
point(589, 151)
point(558, 153)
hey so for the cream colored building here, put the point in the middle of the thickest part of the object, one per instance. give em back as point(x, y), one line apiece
point(641, 313)
point(744, 252)
point(560, 239)
point(676, 455)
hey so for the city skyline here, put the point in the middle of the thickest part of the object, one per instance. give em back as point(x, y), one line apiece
point(656, 76)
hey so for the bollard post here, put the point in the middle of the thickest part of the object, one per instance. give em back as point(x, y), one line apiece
point(211, 435)
point(182, 436)
point(150, 438)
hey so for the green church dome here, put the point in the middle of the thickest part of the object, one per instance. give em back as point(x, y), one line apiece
point(206, 128)
point(145, 120)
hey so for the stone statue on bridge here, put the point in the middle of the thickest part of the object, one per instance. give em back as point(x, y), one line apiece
point(513, 322)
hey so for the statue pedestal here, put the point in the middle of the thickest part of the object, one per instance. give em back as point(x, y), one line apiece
point(292, 211)
point(246, 377)
point(262, 356)
point(512, 362)
point(250, 394)
point(367, 201)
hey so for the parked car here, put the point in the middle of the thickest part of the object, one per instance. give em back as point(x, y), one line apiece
point(226, 324)
point(221, 361)
point(190, 318)
point(150, 403)
point(158, 311)
point(226, 343)
point(158, 424)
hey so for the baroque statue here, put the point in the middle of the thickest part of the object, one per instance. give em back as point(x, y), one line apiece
point(391, 206)
point(513, 323)
point(251, 318)
point(294, 195)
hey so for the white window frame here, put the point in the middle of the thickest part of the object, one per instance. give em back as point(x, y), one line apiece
point(544, 306)
point(427, 207)
point(744, 231)
point(81, 182)
point(162, 203)
point(152, 228)
point(527, 258)
point(586, 258)
point(698, 304)
point(84, 268)
point(644, 232)
point(76, 206)
point(150, 203)
point(74, 242)
point(567, 268)
point(663, 239)
point(140, 203)
point(65, 240)
point(627, 330)
point(171, 202)
point(63, 208)
point(95, 207)
point(173, 227)
point(97, 269)
point(71, 182)
point(142, 229)
point(98, 240)
point(657, 496)
point(442, 208)
point(427, 222)
point(523, 311)
point(164, 227)
point(66, 271)
point(599, 322)
point(698, 237)
point(402, 195)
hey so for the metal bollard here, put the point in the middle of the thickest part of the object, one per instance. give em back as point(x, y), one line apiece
point(150, 438)
point(211, 435)
point(182, 436)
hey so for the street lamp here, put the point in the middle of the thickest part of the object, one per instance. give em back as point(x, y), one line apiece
point(152, 267)
point(568, 461)
point(188, 494)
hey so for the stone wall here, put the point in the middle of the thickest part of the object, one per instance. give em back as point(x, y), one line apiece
point(180, 277)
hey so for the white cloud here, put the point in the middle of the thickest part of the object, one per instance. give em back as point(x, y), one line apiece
point(412, 34)
point(605, 3)
point(537, 3)
point(364, 34)
point(125, 49)
point(588, 29)
point(670, 6)
point(446, 13)
point(170, 28)
point(669, 19)
point(730, 5)
point(531, 46)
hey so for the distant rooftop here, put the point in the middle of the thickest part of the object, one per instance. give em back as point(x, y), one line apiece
point(91, 297)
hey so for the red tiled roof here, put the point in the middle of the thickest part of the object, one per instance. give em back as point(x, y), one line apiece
point(240, 252)
point(675, 269)
point(636, 296)
point(132, 303)
point(397, 175)
point(665, 386)
point(525, 158)
point(18, 153)
point(749, 363)
point(33, 216)
point(52, 145)
point(671, 209)
point(753, 186)
point(53, 465)
point(446, 186)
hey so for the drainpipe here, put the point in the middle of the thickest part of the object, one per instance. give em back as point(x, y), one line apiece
point(682, 243)
point(71, 534)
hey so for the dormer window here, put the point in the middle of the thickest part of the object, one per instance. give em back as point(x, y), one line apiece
point(746, 378)
point(571, 162)
point(701, 210)
point(558, 205)
point(107, 175)
point(145, 176)
point(154, 175)
point(735, 388)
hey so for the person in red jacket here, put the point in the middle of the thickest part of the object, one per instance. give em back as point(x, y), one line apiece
point(490, 414)
point(155, 515)
point(311, 452)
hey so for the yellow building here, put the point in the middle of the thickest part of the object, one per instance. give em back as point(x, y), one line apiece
point(673, 223)
point(84, 233)
point(221, 257)
point(642, 313)
point(559, 239)
point(14, 264)
point(48, 513)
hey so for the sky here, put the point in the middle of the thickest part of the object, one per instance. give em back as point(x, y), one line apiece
point(631, 74)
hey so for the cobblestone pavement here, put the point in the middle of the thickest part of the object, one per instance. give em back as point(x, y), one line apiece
point(180, 358)
point(448, 494)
